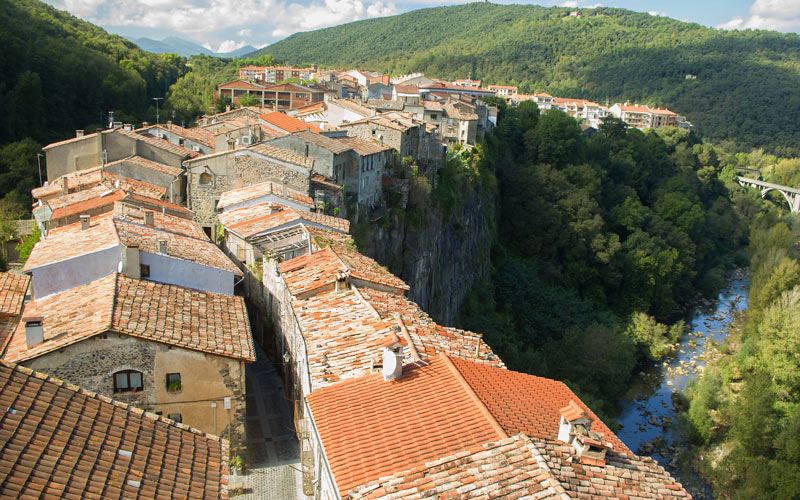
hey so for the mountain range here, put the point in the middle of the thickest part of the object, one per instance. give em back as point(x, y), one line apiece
point(183, 47)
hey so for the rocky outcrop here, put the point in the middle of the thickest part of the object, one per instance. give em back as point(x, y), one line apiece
point(439, 258)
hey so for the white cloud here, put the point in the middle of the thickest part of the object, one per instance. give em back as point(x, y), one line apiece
point(215, 22)
point(779, 15)
point(569, 3)
point(593, 6)
point(657, 13)
point(296, 17)
point(229, 46)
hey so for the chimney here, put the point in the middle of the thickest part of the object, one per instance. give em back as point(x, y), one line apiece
point(227, 107)
point(131, 265)
point(575, 429)
point(162, 246)
point(169, 124)
point(79, 133)
point(34, 331)
point(85, 222)
point(128, 127)
point(231, 144)
point(65, 185)
point(392, 357)
point(145, 124)
point(149, 218)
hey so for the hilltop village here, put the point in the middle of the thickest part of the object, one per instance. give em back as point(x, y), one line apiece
point(173, 258)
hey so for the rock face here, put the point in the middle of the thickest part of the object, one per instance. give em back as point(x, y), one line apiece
point(441, 258)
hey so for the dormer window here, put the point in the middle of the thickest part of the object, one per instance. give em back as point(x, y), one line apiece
point(128, 381)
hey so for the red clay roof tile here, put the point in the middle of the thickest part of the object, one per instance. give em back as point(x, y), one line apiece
point(60, 441)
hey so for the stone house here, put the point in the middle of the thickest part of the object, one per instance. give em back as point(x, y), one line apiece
point(89, 151)
point(210, 176)
point(272, 229)
point(142, 243)
point(197, 139)
point(175, 351)
point(460, 124)
point(354, 163)
point(134, 173)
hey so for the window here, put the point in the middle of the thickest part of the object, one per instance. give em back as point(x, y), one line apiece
point(144, 270)
point(216, 202)
point(181, 142)
point(173, 382)
point(176, 417)
point(205, 179)
point(128, 381)
point(433, 116)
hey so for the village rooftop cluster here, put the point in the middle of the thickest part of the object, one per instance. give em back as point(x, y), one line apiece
point(167, 253)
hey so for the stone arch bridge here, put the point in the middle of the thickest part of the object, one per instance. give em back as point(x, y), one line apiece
point(791, 195)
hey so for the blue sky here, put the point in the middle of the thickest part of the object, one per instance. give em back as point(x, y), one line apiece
point(225, 25)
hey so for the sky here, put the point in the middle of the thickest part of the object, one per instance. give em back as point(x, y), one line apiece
point(226, 25)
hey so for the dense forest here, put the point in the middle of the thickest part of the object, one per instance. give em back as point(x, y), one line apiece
point(59, 74)
point(600, 241)
point(744, 90)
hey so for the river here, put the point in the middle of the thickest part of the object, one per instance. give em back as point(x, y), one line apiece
point(648, 412)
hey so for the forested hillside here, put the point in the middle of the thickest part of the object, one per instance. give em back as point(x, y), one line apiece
point(59, 73)
point(744, 91)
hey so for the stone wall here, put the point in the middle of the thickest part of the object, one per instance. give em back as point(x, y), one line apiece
point(441, 259)
point(233, 171)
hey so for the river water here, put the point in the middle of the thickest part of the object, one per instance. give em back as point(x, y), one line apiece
point(648, 412)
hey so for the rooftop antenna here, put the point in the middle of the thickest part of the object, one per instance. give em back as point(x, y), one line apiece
point(157, 99)
point(110, 119)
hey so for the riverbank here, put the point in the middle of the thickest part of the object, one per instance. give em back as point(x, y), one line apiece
point(653, 403)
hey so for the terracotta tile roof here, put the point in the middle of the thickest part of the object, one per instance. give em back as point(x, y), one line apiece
point(258, 219)
point(254, 191)
point(325, 181)
point(149, 164)
point(407, 89)
point(322, 141)
point(240, 84)
point(360, 266)
point(246, 214)
point(526, 403)
point(283, 154)
point(362, 147)
point(70, 241)
point(425, 414)
point(428, 337)
point(60, 441)
point(125, 225)
point(433, 105)
point(198, 249)
point(196, 134)
point(317, 106)
point(634, 109)
point(158, 205)
point(287, 123)
point(202, 321)
point(623, 476)
point(312, 271)
point(453, 111)
point(12, 292)
point(97, 199)
point(508, 468)
point(83, 179)
point(343, 335)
